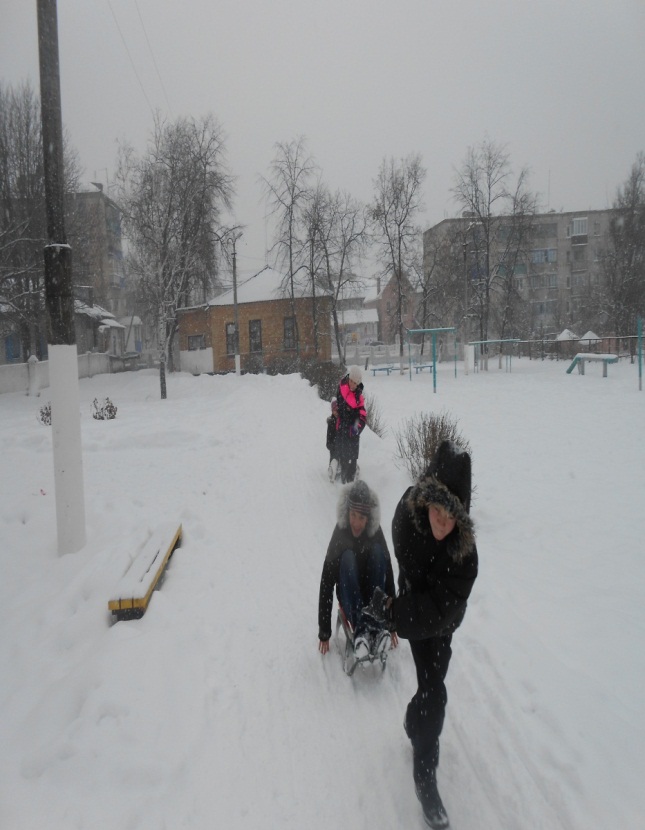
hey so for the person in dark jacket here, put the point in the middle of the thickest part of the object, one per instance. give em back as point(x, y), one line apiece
point(357, 562)
point(351, 420)
point(334, 467)
point(434, 544)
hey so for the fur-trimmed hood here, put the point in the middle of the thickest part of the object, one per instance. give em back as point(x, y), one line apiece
point(446, 482)
point(342, 508)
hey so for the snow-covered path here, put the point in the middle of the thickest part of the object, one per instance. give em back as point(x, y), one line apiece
point(216, 710)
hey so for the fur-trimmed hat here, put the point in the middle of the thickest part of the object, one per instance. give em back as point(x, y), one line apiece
point(448, 483)
point(355, 374)
point(451, 466)
point(358, 496)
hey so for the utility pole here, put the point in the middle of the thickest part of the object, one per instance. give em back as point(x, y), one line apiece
point(232, 241)
point(59, 299)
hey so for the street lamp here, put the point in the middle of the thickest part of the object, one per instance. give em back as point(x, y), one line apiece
point(466, 326)
point(231, 241)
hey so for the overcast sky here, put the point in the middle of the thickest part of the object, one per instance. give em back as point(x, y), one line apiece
point(560, 82)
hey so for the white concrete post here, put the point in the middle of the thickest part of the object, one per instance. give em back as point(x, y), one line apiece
point(68, 459)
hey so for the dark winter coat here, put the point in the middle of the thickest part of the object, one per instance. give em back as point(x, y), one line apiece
point(352, 417)
point(435, 578)
point(331, 435)
point(341, 540)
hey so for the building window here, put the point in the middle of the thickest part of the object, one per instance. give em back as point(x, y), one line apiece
point(289, 333)
point(579, 227)
point(546, 230)
point(542, 255)
point(12, 347)
point(551, 280)
point(230, 338)
point(255, 335)
point(196, 341)
point(579, 254)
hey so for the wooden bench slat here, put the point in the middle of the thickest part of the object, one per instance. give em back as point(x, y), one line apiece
point(135, 587)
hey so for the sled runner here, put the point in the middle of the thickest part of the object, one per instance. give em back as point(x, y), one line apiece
point(380, 645)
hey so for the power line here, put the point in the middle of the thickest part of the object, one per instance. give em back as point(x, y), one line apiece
point(134, 69)
point(153, 57)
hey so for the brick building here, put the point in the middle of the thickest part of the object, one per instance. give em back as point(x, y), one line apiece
point(266, 325)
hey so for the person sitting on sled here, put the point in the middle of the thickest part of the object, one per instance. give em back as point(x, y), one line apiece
point(331, 440)
point(351, 420)
point(357, 562)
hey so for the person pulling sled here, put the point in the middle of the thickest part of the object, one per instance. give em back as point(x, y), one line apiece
point(357, 562)
point(435, 547)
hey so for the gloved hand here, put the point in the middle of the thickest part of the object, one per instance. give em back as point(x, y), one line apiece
point(354, 429)
point(377, 611)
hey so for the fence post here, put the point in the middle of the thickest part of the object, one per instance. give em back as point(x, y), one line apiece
point(32, 373)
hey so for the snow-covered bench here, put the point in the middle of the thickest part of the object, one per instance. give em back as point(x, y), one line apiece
point(132, 594)
point(584, 357)
point(376, 369)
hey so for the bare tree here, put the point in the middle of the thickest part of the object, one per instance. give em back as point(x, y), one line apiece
point(514, 239)
point(171, 199)
point(339, 233)
point(397, 202)
point(624, 262)
point(496, 228)
point(22, 213)
point(288, 190)
point(441, 281)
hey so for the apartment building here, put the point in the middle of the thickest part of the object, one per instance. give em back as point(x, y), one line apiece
point(555, 273)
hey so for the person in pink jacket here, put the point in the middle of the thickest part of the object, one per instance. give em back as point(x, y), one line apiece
point(350, 422)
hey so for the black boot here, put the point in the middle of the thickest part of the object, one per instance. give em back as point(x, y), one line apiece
point(434, 812)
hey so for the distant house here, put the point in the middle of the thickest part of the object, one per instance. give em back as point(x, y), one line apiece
point(356, 322)
point(95, 328)
point(267, 327)
point(386, 304)
point(358, 325)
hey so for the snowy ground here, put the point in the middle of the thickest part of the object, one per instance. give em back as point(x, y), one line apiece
point(216, 709)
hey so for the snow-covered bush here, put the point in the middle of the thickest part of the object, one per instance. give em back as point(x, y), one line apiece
point(419, 437)
point(45, 414)
point(103, 412)
point(374, 416)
